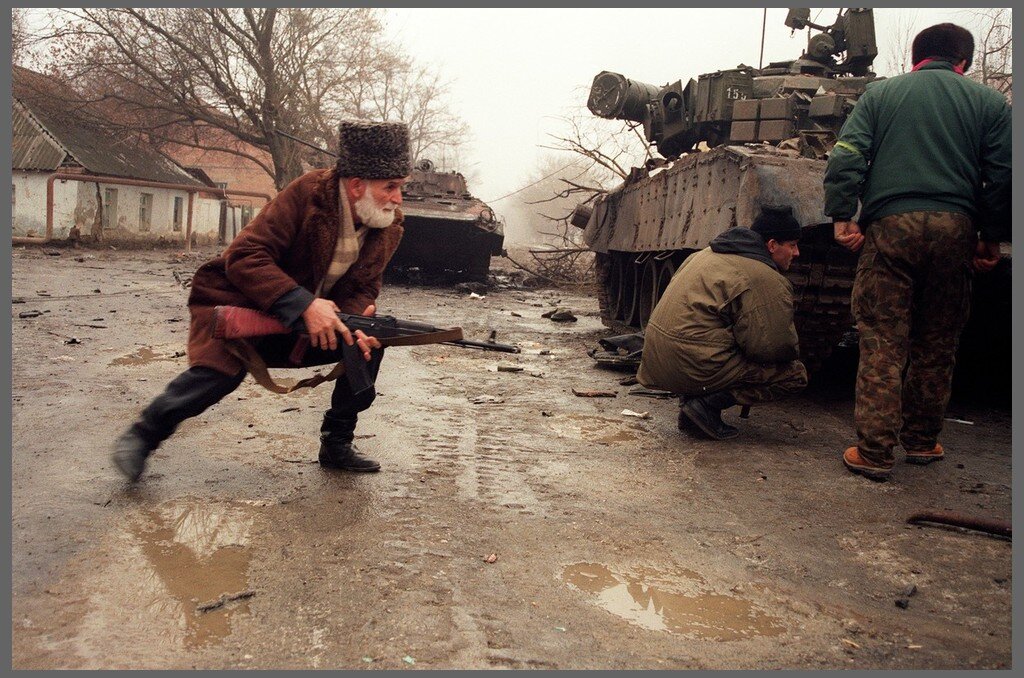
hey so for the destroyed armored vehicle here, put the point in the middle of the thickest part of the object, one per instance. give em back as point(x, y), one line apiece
point(732, 141)
point(449, 234)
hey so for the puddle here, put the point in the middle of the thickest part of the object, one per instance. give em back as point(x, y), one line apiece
point(144, 356)
point(195, 554)
point(677, 601)
point(598, 429)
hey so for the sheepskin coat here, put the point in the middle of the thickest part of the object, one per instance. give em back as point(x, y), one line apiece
point(289, 243)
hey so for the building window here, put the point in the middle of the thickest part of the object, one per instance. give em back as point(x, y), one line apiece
point(246, 214)
point(145, 211)
point(178, 209)
point(109, 208)
point(221, 184)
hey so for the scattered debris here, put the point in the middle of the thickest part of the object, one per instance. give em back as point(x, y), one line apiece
point(510, 368)
point(18, 300)
point(224, 599)
point(30, 314)
point(902, 603)
point(546, 414)
point(485, 399)
point(51, 253)
point(955, 420)
point(850, 643)
point(184, 278)
point(471, 288)
point(621, 351)
point(474, 295)
point(914, 647)
point(493, 558)
point(290, 409)
point(910, 590)
point(640, 390)
point(560, 628)
point(72, 340)
point(515, 315)
point(628, 381)
point(408, 660)
point(560, 315)
point(594, 394)
point(639, 415)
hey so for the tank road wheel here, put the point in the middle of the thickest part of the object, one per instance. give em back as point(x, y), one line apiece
point(666, 269)
point(630, 291)
point(648, 290)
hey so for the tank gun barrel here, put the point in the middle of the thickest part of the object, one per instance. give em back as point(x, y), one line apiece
point(616, 97)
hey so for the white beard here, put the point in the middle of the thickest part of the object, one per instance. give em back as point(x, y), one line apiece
point(371, 214)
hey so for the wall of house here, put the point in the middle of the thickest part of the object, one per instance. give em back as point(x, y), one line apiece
point(75, 206)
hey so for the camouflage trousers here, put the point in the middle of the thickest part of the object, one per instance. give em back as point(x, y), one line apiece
point(911, 299)
point(765, 383)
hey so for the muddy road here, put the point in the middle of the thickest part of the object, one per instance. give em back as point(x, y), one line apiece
point(616, 542)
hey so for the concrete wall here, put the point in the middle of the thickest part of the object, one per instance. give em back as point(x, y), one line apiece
point(75, 205)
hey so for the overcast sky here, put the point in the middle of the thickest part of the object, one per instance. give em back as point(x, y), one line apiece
point(514, 71)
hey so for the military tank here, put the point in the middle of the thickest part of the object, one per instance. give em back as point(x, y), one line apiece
point(449, 234)
point(732, 141)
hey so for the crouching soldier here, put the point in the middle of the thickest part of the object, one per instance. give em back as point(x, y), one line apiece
point(722, 333)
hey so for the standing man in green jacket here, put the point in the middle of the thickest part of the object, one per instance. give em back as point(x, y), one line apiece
point(722, 334)
point(928, 155)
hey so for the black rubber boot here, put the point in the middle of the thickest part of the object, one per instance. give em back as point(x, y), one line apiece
point(131, 449)
point(336, 448)
point(705, 412)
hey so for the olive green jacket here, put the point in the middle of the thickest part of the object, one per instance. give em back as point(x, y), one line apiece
point(719, 313)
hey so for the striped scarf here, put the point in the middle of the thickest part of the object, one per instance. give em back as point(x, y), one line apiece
point(346, 252)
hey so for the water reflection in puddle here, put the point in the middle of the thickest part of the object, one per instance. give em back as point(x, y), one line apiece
point(678, 601)
point(143, 356)
point(196, 554)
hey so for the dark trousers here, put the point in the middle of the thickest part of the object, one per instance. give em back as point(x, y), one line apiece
point(198, 388)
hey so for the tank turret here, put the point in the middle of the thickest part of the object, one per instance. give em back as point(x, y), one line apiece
point(809, 96)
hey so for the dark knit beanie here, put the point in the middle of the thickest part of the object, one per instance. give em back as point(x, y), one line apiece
point(946, 42)
point(776, 222)
point(373, 150)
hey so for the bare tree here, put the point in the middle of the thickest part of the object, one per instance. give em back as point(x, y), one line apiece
point(897, 52)
point(19, 35)
point(993, 54)
point(229, 79)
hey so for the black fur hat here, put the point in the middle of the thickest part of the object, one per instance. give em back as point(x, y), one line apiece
point(947, 42)
point(373, 150)
point(776, 222)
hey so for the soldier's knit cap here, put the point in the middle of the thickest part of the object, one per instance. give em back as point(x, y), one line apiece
point(373, 150)
point(776, 222)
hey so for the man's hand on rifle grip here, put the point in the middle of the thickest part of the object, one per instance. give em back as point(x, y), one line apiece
point(323, 325)
point(365, 342)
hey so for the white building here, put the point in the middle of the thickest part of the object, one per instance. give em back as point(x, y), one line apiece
point(49, 137)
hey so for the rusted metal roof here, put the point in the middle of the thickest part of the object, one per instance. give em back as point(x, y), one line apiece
point(31, 147)
point(51, 126)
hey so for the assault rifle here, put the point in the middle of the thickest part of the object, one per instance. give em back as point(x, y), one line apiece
point(236, 322)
